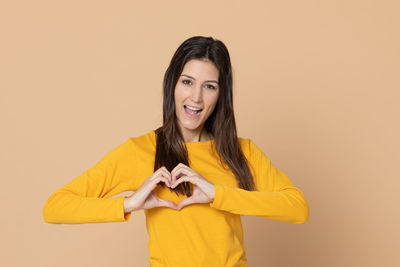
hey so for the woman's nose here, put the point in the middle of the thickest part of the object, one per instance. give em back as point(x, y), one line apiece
point(197, 94)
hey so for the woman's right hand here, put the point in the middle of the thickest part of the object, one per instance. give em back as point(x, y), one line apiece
point(145, 198)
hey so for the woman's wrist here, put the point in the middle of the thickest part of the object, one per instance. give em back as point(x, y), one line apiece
point(129, 204)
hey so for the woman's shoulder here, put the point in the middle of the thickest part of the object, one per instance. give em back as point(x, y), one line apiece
point(145, 140)
point(249, 148)
point(244, 143)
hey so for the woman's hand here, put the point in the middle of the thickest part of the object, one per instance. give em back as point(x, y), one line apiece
point(203, 190)
point(145, 198)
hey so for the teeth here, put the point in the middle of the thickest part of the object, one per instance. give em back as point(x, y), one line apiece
point(196, 109)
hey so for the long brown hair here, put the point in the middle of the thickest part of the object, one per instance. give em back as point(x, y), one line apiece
point(171, 149)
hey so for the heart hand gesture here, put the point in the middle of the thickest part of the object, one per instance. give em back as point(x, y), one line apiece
point(144, 197)
point(203, 190)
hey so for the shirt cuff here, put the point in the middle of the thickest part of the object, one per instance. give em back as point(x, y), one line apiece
point(218, 196)
point(122, 216)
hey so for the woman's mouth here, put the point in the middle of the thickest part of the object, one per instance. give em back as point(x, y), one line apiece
point(192, 112)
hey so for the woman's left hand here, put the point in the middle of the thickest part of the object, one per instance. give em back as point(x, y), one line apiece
point(203, 190)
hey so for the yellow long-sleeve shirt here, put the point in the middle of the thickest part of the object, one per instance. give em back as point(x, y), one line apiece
point(206, 234)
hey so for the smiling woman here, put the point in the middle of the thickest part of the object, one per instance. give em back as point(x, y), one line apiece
point(193, 176)
point(195, 98)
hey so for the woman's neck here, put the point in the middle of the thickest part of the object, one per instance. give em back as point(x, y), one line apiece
point(203, 136)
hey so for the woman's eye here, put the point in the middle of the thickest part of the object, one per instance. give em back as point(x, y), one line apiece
point(189, 82)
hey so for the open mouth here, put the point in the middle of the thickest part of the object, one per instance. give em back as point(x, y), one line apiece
point(191, 111)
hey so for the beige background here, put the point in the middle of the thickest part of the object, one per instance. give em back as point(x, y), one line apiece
point(316, 86)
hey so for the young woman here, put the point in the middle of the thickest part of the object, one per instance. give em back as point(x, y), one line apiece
point(193, 176)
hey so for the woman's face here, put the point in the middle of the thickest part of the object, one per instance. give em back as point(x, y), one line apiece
point(198, 88)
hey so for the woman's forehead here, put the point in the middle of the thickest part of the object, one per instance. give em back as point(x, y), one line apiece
point(200, 69)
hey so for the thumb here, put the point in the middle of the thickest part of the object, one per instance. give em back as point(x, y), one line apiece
point(184, 202)
point(167, 203)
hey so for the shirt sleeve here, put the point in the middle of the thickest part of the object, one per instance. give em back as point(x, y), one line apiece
point(86, 199)
point(275, 197)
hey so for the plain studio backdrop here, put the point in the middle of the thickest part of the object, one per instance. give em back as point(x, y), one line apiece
point(316, 86)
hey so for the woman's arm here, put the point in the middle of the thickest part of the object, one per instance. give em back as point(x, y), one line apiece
point(86, 199)
point(276, 197)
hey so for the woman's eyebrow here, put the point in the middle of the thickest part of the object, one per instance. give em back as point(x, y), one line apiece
point(210, 81)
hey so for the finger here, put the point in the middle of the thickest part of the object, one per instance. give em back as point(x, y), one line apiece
point(166, 170)
point(183, 165)
point(184, 202)
point(180, 180)
point(163, 179)
point(173, 175)
point(177, 172)
point(166, 174)
point(161, 173)
point(167, 203)
point(179, 166)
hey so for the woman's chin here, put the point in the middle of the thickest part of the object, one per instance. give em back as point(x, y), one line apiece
point(191, 126)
